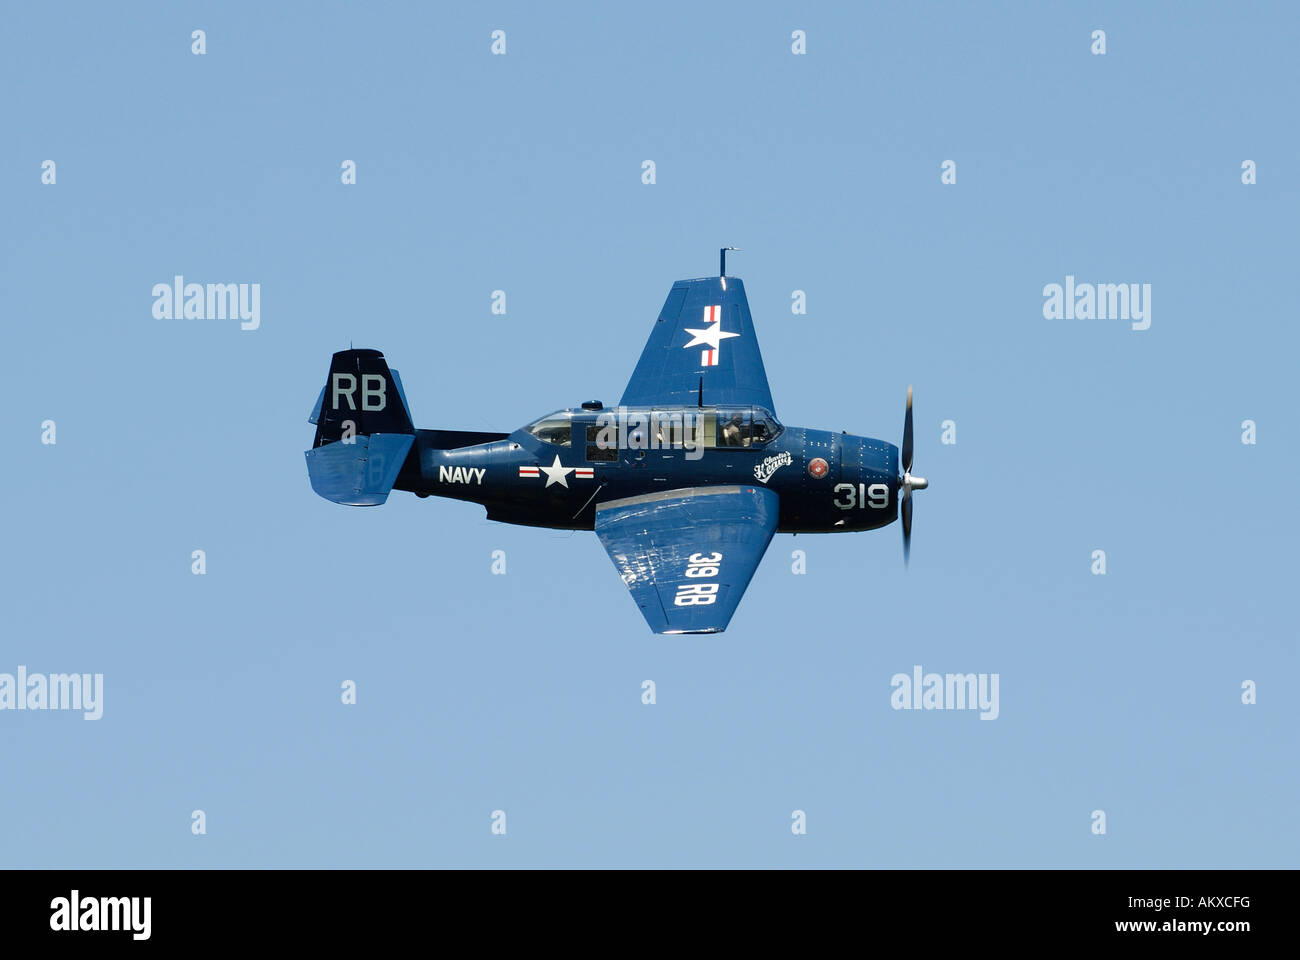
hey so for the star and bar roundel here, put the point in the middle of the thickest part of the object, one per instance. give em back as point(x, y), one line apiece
point(710, 337)
point(558, 473)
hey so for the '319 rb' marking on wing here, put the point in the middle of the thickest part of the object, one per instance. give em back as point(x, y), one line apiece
point(699, 567)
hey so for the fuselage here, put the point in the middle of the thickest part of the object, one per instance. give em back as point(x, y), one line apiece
point(553, 472)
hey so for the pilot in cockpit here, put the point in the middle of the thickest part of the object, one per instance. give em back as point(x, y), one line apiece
point(733, 432)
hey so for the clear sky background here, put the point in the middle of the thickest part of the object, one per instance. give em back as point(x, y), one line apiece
point(523, 173)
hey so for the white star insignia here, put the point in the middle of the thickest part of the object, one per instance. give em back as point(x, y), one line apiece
point(556, 473)
point(712, 336)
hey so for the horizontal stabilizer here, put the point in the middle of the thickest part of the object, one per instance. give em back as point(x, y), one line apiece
point(360, 472)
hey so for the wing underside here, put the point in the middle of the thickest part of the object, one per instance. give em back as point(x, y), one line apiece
point(687, 555)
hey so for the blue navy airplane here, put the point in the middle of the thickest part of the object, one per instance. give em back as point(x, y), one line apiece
point(684, 482)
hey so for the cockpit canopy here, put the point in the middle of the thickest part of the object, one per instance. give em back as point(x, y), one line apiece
point(554, 428)
point(745, 427)
point(660, 427)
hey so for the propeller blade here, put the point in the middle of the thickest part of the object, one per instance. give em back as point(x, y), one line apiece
point(907, 434)
point(907, 527)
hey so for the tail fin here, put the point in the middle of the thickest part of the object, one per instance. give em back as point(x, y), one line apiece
point(362, 396)
point(363, 430)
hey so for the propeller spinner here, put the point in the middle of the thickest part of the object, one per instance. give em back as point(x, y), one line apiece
point(909, 482)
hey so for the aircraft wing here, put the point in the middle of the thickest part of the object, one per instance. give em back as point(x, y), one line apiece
point(702, 350)
point(687, 555)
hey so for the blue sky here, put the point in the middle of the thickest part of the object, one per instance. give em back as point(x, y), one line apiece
point(523, 173)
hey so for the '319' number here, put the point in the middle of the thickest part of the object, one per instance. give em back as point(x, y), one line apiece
point(848, 497)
